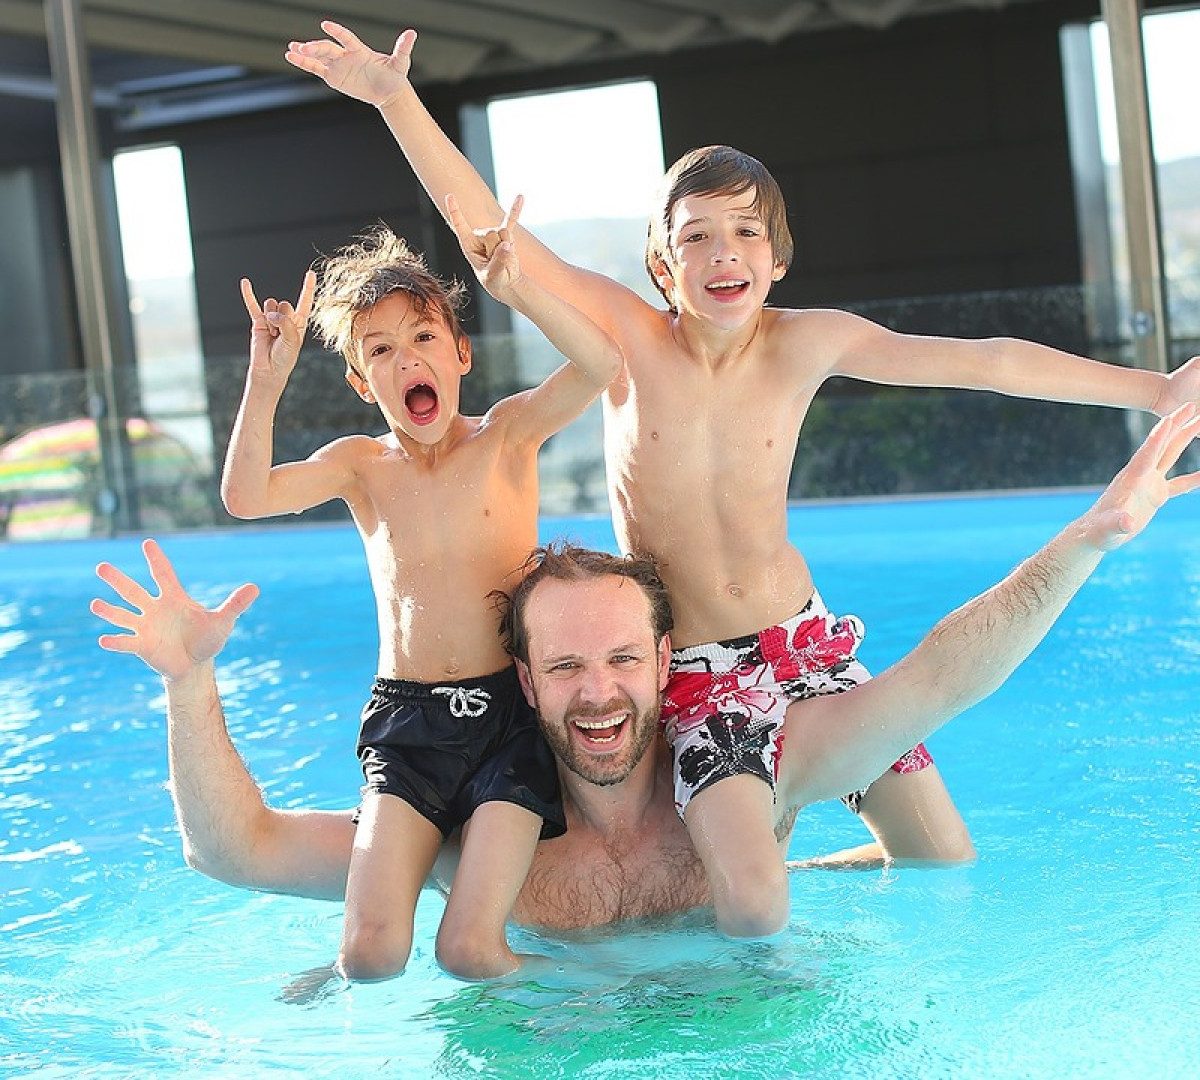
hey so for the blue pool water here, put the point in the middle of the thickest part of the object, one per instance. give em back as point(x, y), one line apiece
point(1071, 949)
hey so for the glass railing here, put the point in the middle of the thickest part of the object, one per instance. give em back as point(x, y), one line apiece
point(859, 439)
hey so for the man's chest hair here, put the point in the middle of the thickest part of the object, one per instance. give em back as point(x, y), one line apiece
point(573, 888)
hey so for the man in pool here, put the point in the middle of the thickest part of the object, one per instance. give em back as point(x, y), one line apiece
point(590, 635)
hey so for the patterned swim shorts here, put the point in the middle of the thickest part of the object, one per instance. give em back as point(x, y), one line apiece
point(725, 702)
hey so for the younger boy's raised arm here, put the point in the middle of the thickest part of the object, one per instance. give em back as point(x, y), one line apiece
point(352, 68)
point(593, 358)
point(250, 486)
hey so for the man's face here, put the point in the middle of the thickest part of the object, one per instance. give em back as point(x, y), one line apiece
point(595, 673)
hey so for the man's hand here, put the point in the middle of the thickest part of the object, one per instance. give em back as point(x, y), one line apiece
point(353, 68)
point(277, 328)
point(1140, 489)
point(1182, 388)
point(491, 252)
point(170, 632)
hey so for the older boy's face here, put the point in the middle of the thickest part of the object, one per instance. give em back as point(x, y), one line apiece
point(720, 258)
point(595, 673)
point(411, 366)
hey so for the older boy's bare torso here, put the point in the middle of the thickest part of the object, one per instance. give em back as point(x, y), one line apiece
point(442, 531)
point(699, 456)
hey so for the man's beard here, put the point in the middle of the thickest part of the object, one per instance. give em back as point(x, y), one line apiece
point(604, 771)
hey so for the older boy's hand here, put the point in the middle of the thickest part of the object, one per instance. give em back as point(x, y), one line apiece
point(491, 252)
point(277, 328)
point(352, 67)
point(1182, 387)
point(1140, 489)
point(171, 632)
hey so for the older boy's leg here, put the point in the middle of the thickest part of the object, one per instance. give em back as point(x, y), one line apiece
point(497, 850)
point(913, 820)
point(394, 850)
point(731, 824)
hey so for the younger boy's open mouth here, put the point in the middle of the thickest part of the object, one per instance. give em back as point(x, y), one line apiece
point(728, 288)
point(421, 401)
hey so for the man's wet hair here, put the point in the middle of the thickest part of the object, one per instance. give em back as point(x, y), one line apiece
point(565, 561)
point(717, 170)
point(365, 271)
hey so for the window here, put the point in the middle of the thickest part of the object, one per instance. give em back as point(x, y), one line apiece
point(1171, 42)
point(157, 248)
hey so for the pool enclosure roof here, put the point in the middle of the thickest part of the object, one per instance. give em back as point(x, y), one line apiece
point(168, 61)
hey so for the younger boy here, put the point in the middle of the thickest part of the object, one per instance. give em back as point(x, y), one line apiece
point(700, 432)
point(446, 506)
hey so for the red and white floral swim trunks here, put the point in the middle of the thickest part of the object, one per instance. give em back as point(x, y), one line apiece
point(725, 702)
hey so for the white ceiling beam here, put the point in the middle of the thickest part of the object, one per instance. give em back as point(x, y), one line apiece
point(639, 25)
point(544, 39)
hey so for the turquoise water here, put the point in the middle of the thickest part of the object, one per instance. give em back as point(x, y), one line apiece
point(1071, 949)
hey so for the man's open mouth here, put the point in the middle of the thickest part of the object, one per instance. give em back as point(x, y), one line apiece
point(421, 401)
point(600, 732)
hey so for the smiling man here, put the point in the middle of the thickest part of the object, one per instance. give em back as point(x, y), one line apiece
point(591, 636)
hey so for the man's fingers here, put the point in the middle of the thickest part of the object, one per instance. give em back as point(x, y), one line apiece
point(161, 569)
point(346, 38)
point(253, 308)
point(111, 613)
point(125, 643)
point(1181, 485)
point(124, 586)
point(1184, 426)
point(238, 601)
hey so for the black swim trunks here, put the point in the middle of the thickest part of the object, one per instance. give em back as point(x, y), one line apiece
point(447, 748)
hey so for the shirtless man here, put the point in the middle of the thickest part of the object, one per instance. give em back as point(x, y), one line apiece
point(589, 644)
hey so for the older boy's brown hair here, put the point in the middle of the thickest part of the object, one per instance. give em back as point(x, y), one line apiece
point(564, 561)
point(717, 170)
point(362, 273)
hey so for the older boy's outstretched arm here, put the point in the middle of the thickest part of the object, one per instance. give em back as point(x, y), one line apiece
point(250, 486)
point(352, 68)
point(593, 358)
point(862, 349)
point(839, 744)
point(227, 831)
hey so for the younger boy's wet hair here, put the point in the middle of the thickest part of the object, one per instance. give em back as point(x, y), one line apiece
point(372, 267)
point(569, 562)
point(717, 170)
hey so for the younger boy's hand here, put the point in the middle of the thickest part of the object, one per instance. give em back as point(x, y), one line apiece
point(170, 632)
point(1139, 490)
point(352, 67)
point(277, 328)
point(1183, 386)
point(491, 252)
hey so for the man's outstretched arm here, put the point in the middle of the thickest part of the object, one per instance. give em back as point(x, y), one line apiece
point(227, 830)
point(842, 743)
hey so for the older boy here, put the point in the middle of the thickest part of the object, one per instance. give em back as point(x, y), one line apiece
point(700, 431)
point(446, 506)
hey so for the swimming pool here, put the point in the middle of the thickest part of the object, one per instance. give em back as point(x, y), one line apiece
point(1071, 949)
